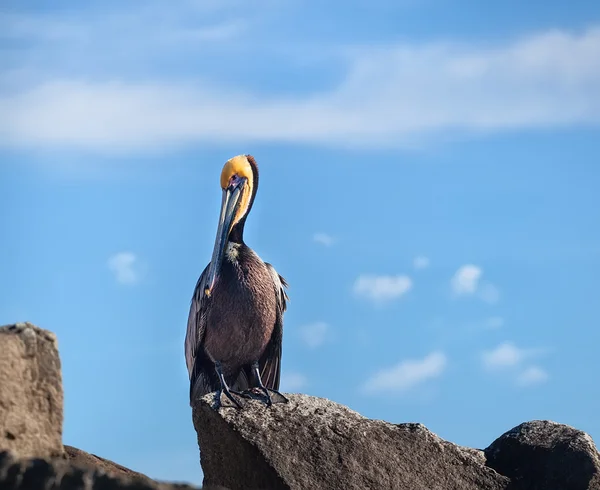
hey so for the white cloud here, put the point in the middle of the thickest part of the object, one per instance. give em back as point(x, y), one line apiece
point(508, 355)
point(467, 282)
point(532, 375)
point(382, 288)
point(314, 334)
point(421, 262)
point(504, 356)
point(291, 381)
point(390, 96)
point(407, 374)
point(324, 239)
point(466, 279)
point(124, 267)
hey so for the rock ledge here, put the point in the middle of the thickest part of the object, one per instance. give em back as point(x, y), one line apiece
point(316, 443)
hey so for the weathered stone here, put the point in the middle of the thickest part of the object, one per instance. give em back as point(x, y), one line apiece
point(31, 395)
point(545, 455)
point(81, 459)
point(59, 474)
point(315, 443)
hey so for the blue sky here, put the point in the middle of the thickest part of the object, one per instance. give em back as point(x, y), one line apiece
point(429, 188)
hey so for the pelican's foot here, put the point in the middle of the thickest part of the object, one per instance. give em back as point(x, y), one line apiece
point(276, 397)
point(254, 394)
point(228, 398)
point(266, 395)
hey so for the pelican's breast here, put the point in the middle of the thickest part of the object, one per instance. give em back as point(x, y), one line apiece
point(242, 313)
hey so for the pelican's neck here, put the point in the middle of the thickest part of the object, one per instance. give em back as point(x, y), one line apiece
point(237, 232)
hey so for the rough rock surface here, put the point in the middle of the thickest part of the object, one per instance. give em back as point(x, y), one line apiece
point(544, 455)
point(59, 474)
point(80, 458)
point(31, 395)
point(32, 456)
point(315, 443)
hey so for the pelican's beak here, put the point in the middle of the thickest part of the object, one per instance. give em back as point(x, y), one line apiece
point(229, 205)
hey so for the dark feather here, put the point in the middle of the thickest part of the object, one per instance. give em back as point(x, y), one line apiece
point(270, 361)
point(203, 378)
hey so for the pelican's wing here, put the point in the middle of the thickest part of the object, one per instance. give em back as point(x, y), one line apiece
point(200, 368)
point(270, 362)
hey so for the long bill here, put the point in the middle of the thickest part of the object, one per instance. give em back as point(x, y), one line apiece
point(229, 203)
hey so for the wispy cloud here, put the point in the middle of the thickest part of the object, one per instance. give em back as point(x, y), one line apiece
point(508, 357)
point(390, 96)
point(532, 375)
point(421, 262)
point(324, 239)
point(466, 279)
point(315, 334)
point(291, 381)
point(467, 282)
point(407, 374)
point(88, 26)
point(381, 289)
point(124, 266)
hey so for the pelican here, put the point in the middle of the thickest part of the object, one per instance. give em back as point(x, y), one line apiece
point(235, 323)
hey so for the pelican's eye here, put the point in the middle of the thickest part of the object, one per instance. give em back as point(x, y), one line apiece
point(235, 181)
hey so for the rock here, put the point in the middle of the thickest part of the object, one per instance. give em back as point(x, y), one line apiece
point(315, 443)
point(82, 459)
point(307, 443)
point(59, 474)
point(31, 395)
point(544, 455)
point(32, 456)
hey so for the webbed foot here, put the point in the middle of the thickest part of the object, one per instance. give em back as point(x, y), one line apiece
point(265, 394)
point(228, 398)
point(275, 397)
point(268, 395)
point(231, 398)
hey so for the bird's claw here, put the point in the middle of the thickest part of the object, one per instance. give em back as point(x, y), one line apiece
point(231, 399)
point(265, 394)
point(276, 397)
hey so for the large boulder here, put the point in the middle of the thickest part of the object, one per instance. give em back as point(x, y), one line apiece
point(315, 443)
point(31, 395)
point(32, 455)
point(544, 455)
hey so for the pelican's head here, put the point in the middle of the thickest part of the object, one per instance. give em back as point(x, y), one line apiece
point(239, 181)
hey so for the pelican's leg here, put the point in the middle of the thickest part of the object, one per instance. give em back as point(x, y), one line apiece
point(279, 398)
point(225, 389)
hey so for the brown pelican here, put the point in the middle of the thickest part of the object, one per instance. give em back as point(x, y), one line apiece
point(235, 324)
